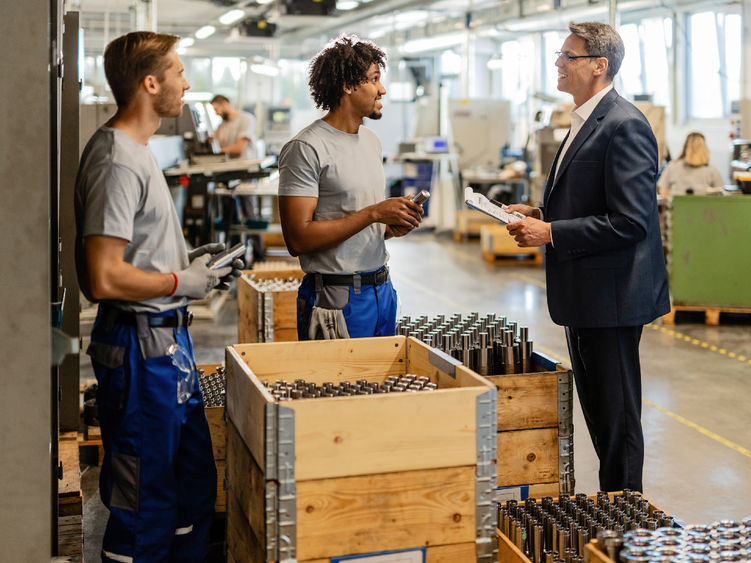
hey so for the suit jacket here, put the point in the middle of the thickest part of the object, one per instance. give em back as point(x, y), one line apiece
point(607, 267)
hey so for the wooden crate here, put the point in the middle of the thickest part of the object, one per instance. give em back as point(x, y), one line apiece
point(508, 552)
point(218, 431)
point(535, 430)
point(469, 223)
point(267, 316)
point(499, 247)
point(321, 478)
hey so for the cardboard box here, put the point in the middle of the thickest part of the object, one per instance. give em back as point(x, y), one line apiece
point(315, 479)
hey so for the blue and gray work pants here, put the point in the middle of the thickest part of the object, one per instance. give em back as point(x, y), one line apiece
point(367, 300)
point(158, 476)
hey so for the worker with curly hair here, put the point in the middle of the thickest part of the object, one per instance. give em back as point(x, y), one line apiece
point(332, 203)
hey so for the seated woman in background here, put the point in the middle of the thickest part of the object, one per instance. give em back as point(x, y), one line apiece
point(691, 172)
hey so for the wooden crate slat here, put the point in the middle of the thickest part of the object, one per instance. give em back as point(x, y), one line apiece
point(527, 401)
point(356, 514)
point(246, 403)
point(246, 481)
point(242, 545)
point(527, 456)
point(326, 360)
point(451, 553)
point(348, 443)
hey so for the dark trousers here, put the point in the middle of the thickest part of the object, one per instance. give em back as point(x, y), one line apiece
point(608, 382)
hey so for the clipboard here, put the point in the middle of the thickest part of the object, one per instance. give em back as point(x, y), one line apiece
point(498, 212)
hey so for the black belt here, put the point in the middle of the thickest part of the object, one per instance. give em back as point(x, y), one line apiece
point(129, 318)
point(376, 278)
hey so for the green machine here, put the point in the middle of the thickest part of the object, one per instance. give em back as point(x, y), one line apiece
point(710, 261)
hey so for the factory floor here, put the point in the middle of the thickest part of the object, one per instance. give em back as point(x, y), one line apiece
point(696, 379)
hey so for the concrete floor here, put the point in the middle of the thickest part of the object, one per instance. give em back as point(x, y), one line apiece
point(697, 423)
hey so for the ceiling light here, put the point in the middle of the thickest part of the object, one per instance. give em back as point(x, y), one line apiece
point(264, 1)
point(432, 43)
point(345, 5)
point(186, 42)
point(265, 69)
point(205, 31)
point(231, 17)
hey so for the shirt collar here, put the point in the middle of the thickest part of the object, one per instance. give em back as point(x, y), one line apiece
point(586, 109)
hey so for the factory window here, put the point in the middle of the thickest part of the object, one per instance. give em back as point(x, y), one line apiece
point(518, 76)
point(225, 74)
point(551, 42)
point(713, 63)
point(645, 69)
point(198, 74)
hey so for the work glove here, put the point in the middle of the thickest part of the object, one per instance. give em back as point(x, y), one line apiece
point(197, 280)
point(327, 324)
point(211, 248)
point(237, 271)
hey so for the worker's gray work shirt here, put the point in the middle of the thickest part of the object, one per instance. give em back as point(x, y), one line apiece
point(121, 192)
point(345, 172)
point(241, 127)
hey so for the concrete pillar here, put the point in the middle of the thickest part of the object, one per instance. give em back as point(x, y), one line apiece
point(25, 407)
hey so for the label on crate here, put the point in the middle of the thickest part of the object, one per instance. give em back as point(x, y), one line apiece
point(397, 556)
point(512, 493)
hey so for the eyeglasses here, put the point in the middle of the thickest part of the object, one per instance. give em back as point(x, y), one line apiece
point(566, 57)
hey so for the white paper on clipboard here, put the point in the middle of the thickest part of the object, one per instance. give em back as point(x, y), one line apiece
point(497, 212)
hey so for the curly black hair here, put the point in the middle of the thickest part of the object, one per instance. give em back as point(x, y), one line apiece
point(343, 63)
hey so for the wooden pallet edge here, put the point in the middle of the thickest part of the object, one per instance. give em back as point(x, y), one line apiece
point(711, 313)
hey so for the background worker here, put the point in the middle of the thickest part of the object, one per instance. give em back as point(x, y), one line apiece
point(331, 200)
point(605, 269)
point(236, 136)
point(236, 133)
point(158, 476)
point(691, 172)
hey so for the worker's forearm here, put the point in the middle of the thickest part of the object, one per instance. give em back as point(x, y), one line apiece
point(316, 236)
point(125, 282)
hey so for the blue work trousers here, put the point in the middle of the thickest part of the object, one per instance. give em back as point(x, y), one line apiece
point(371, 311)
point(158, 476)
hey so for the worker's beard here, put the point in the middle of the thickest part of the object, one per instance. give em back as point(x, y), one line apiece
point(168, 102)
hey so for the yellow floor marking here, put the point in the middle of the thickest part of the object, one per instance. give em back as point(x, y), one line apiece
point(708, 433)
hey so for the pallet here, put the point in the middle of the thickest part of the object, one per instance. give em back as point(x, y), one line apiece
point(516, 259)
point(90, 444)
point(469, 223)
point(499, 247)
point(711, 314)
point(70, 539)
point(69, 497)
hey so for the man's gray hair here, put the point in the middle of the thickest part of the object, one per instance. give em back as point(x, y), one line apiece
point(601, 40)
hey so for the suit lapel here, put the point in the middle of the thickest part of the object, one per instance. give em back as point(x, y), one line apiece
point(584, 133)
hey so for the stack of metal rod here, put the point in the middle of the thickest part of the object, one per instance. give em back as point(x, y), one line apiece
point(213, 387)
point(489, 344)
point(274, 284)
point(301, 389)
point(556, 532)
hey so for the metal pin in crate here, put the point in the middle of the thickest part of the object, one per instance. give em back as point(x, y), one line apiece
point(489, 345)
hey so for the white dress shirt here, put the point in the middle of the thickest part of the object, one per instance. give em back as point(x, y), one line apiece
point(578, 116)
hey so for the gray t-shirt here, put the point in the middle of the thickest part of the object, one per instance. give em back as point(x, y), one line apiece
point(121, 192)
point(242, 126)
point(345, 172)
point(679, 176)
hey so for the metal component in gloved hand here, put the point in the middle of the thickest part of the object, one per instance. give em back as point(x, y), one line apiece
point(197, 280)
point(327, 324)
point(211, 248)
point(237, 266)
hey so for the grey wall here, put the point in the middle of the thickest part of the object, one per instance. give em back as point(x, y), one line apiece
point(25, 486)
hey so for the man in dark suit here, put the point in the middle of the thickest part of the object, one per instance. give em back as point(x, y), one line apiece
point(605, 269)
